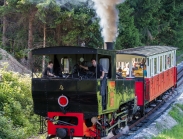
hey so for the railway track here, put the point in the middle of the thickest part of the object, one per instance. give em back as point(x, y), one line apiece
point(136, 126)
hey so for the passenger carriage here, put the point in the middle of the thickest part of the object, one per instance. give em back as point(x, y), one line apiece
point(77, 104)
point(160, 62)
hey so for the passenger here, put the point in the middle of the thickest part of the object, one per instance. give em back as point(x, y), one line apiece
point(135, 66)
point(168, 62)
point(100, 70)
point(48, 70)
point(145, 71)
point(119, 70)
point(132, 73)
point(127, 69)
point(142, 63)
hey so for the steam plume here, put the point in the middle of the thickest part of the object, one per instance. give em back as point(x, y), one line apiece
point(108, 14)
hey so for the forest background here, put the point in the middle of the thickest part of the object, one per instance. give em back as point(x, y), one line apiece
point(29, 24)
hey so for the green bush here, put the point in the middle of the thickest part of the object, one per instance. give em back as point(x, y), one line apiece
point(17, 119)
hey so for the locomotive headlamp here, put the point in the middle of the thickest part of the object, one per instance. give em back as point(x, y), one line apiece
point(61, 132)
point(63, 101)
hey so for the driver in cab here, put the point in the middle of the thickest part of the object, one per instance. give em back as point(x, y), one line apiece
point(100, 70)
point(48, 70)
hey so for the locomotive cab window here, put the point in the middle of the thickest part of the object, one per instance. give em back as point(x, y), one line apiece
point(74, 63)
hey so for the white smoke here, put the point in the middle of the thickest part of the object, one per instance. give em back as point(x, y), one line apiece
point(108, 14)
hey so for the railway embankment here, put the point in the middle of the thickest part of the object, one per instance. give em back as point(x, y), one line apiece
point(166, 122)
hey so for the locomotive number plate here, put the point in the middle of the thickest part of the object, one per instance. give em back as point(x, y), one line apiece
point(61, 87)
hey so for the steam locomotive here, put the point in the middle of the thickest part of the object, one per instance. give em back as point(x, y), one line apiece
point(78, 105)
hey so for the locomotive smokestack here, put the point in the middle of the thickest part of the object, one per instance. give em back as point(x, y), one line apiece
point(109, 45)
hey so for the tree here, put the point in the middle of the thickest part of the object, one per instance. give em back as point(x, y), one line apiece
point(46, 10)
point(146, 19)
point(128, 34)
point(29, 8)
point(4, 39)
point(78, 25)
point(170, 21)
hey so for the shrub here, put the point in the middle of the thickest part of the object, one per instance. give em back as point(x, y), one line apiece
point(17, 119)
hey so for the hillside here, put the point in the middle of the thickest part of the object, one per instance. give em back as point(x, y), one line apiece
point(12, 63)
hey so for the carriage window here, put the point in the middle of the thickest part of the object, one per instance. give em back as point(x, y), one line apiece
point(158, 64)
point(66, 63)
point(123, 69)
point(150, 65)
point(161, 64)
point(168, 61)
point(155, 65)
point(172, 59)
point(165, 62)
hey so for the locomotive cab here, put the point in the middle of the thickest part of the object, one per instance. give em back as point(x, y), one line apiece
point(75, 95)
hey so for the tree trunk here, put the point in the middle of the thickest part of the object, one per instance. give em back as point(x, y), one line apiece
point(44, 45)
point(58, 35)
point(4, 39)
point(30, 37)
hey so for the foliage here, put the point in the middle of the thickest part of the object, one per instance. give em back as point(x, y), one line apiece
point(17, 119)
point(159, 22)
point(141, 22)
point(128, 34)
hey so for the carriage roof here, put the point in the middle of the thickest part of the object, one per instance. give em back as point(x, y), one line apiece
point(67, 50)
point(146, 51)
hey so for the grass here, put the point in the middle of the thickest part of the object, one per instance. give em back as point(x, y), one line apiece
point(177, 131)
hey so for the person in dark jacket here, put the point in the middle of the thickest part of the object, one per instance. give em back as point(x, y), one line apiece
point(100, 70)
point(48, 70)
